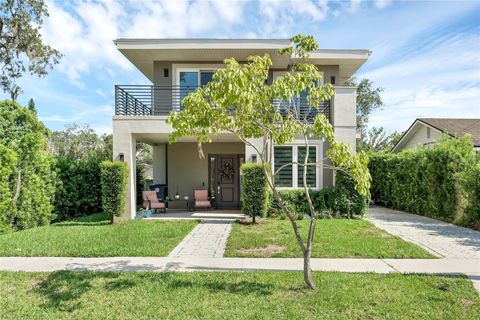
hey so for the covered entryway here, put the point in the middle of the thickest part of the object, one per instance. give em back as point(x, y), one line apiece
point(224, 179)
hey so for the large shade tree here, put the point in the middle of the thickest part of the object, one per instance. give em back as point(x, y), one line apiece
point(239, 100)
point(21, 45)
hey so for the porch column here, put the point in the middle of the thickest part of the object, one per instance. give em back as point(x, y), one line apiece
point(160, 163)
point(344, 119)
point(124, 145)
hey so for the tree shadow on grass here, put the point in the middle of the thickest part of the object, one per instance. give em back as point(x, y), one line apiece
point(242, 287)
point(64, 289)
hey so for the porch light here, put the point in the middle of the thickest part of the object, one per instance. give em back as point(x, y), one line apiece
point(121, 156)
point(254, 158)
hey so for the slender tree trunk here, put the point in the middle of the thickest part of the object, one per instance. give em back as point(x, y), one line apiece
point(307, 270)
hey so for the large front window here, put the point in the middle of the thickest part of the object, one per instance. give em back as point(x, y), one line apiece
point(291, 175)
point(283, 155)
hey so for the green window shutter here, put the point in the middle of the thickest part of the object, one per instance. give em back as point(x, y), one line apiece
point(283, 155)
point(311, 170)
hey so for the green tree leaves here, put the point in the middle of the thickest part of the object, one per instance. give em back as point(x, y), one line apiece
point(27, 181)
point(21, 45)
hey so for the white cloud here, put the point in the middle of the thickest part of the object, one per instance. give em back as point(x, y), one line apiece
point(354, 6)
point(90, 113)
point(279, 17)
point(442, 80)
point(381, 4)
point(84, 31)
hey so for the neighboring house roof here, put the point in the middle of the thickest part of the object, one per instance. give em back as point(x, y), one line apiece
point(456, 127)
point(143, 52)
point(453, 127)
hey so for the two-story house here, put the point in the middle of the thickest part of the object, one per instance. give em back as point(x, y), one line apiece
point(177, 66)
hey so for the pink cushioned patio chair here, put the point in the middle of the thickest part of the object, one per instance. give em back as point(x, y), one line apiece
point(201, 200)
point(150, 201)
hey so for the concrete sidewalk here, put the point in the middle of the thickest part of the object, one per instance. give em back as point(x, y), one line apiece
point(431, 266)
point(468, 267)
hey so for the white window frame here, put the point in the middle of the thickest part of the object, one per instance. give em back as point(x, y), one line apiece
point(177, 68)
point(318, 145)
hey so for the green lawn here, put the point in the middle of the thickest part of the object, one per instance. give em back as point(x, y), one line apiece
point(93, 236)
point(234, 295)
point(334, 238)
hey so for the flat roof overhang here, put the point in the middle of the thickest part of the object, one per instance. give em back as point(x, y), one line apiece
point(144, 52)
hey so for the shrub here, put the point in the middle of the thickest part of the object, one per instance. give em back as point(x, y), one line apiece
point(114, 177)
point(425, 181)
point(78, 192)
point(342, 200)
point(27, 177)
point(346, 200)
point(470, 182)
point(255, 191)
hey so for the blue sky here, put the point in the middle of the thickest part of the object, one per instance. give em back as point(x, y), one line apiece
point(425, 54)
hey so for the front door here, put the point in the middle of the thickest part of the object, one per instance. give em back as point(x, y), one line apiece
point(225, 180)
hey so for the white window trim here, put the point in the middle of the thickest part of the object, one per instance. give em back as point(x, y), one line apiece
point(318, 145)
point(177, 68)
point(182, 67)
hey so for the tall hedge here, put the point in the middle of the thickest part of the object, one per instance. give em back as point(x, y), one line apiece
point(78, 192)
point(27, 178)
point(255, 190)
point(113, 178)
point(425, 181)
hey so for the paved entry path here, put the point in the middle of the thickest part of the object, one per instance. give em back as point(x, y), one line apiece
point(207, 240)
point(440, 238)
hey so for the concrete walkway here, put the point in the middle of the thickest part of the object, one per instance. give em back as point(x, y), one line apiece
point(431, 266)
point(207, 240)
point(440, 238)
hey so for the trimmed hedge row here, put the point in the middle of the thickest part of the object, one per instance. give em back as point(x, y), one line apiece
point(255, 191)
point(341, 200)
point(113, 179)
point(439, 181)
point(78, 191)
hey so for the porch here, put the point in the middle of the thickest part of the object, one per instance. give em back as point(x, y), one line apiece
point(178, 167)
point(215, 214)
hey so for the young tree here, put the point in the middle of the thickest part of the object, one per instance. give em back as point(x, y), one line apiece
point(239, 100)
point(377, 139)
point(21, 45)
point(31, 106)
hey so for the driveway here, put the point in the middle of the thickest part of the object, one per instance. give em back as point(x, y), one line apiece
point(440, 238)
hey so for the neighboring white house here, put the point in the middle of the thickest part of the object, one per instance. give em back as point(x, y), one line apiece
point(177, 66)
point(425, 131)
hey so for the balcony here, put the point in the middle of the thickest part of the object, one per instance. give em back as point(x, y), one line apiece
point(150, 100)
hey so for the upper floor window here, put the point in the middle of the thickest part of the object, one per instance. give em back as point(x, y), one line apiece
point(189, 80)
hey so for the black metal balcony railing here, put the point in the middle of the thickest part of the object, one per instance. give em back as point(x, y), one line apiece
point(148, 100)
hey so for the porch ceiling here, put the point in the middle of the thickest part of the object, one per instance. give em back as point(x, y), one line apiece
point(157, 138)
